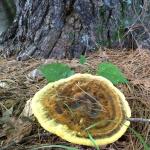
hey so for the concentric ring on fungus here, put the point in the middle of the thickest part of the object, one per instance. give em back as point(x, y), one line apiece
point(70, 107)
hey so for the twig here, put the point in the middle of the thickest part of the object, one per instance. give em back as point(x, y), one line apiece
point(139, 120)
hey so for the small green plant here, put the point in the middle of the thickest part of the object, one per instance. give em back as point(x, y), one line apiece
point(55, 71)
point(111, 72)
point(82, 59)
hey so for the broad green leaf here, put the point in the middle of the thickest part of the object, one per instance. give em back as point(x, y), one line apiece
point(111, 72)
point(82, 59)
point(55, 71)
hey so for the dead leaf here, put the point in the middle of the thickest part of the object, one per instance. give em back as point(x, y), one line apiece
point(5, 114)
point(16, 129)
point(27, 111)
point(2, 134)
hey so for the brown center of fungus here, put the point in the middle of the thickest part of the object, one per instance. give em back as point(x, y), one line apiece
point(82, 103)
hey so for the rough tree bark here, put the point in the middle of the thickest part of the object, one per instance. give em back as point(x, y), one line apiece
point(66, 28)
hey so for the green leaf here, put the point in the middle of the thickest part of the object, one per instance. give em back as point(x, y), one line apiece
point(55, 71)
point(82, 59)
point(111, 72)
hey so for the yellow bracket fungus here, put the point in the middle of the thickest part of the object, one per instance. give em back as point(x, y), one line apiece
point(81, 104)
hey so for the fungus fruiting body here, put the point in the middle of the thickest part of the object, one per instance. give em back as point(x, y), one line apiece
point(81, 104)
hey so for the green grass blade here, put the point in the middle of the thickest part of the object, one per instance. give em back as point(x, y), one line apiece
point(93, 141)
point(92, 126)
point(97, 123)
point(54, 146)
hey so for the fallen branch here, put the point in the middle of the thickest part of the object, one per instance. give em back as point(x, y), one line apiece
point(139, 120)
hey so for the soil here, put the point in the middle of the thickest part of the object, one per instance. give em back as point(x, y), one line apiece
point(17, 87)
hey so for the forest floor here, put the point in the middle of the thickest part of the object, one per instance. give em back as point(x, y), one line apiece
point(18, 85)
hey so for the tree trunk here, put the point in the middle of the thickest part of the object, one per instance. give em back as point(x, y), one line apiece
point(69, 28)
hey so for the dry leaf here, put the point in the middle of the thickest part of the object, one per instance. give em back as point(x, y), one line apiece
point(16, 129)
point(5, 115)
point(7, 83)
point(27, 111)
